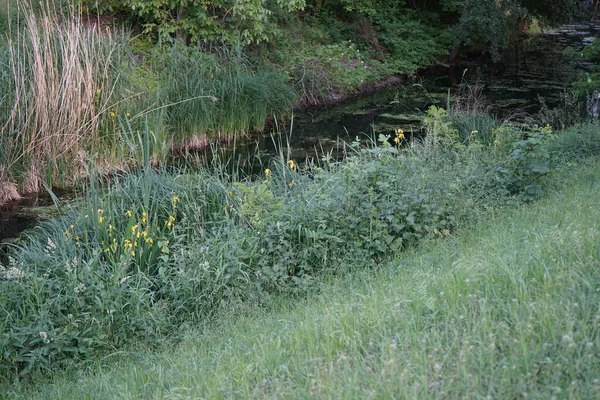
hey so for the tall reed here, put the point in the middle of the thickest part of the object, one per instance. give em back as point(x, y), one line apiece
point(59, 70)
point(72, 90)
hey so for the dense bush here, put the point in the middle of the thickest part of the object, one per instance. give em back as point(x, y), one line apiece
point(201, 20)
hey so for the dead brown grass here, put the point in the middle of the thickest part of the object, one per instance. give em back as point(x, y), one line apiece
point(33, 181)
point(60, 72)
point(8, 190)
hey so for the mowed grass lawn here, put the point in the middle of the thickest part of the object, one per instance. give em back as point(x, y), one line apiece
point(509, 309)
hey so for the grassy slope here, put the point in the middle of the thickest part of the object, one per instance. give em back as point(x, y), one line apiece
point(507, 309)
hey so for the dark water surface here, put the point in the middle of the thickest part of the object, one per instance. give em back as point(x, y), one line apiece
point(20, 215)
point(542, 67)
point(537, 69)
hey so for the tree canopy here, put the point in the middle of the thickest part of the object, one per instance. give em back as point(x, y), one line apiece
point(480, 22)
point(248, 21)
point(491, 22)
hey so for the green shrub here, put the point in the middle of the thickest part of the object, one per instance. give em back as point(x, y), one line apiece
point(410, 42)
point(523, 150)
point(321, 71)
point(368, 207)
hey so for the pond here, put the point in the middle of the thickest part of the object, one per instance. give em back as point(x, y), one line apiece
point(538, 68)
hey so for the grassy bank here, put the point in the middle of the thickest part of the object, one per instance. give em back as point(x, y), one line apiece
point(507, 308)
point(155, 250)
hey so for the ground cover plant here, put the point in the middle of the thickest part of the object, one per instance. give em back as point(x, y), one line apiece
point(152, 251)
point(159, 249)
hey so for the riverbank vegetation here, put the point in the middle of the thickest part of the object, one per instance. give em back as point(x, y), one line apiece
point(74, 73)
point(507, 308)
point(147, 252)
point(158, 250)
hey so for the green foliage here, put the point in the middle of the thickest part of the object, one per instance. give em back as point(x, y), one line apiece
point(165, 92)
point(439, 128)
point(219, 92)
point(490, 24)
point(246, 21)
point(412, 39)
point(507, 299)
point(569, 112)
point(322, 63)
point(57, 85)
point(524, 151)
point(62, 306)
point(484, 23)
point(335, 68)
point(575, 145)
point(256, 205)
point(475, 128)
point(530, 160)
point(89, 281)
point(7, 14)
point(374, 211)
point(155, 250)
point(402, 38)
point(587, 84)
point(550, 11)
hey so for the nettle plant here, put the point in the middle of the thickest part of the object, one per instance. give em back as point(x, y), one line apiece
point(530, 161)
point(377, 202)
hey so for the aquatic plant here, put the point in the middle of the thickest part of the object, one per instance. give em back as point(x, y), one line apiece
point(220, 94)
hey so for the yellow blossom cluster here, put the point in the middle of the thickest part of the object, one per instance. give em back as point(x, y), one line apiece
point(71, 235)
point(100, 217)
point(292, 165)
point(399, 136)
point(134, 235)
point(136, 241)
point(171, 221)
